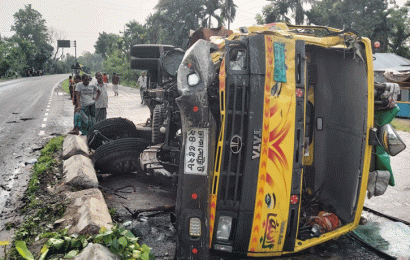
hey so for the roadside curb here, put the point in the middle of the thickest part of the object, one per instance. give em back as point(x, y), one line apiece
point(87, 211)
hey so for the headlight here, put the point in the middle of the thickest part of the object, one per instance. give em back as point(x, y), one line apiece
point(195, 227)
point(224, 228)
point(193, 79)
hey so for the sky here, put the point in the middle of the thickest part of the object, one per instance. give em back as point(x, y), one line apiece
point(83, 20)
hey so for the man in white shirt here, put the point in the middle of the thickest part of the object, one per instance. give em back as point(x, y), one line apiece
point(142, 84)
point(101, 104)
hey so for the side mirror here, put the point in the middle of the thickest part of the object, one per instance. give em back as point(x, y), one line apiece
point(390, 140)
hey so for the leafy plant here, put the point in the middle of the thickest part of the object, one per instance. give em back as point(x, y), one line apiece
point(23, 251)
point(119, 240)
point(123, 243)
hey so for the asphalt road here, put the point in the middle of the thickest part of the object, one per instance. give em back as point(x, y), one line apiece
point(30, 114)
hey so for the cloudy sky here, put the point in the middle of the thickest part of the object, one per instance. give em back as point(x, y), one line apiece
point(83, 20)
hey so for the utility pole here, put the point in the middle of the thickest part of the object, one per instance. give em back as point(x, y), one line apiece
point(75, 50)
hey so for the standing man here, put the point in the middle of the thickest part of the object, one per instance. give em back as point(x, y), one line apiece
point(115, 81)
point(84, 116)
point(142, 84)
point(102, 102)
point(71, 85)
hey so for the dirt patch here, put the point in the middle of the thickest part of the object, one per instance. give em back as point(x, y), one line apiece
point(129, 194)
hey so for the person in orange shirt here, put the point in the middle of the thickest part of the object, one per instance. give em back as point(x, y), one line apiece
point(105, 78)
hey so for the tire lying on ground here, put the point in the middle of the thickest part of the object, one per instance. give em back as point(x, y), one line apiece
point(158, 118)
point(119, 156)
point(112, 128)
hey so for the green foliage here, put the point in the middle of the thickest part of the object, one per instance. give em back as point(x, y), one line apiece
point(175, 22)
point(401, 125)
point(23, 251)
point(371, 19)
point(278, 10)
point(119, 240)
point(12, 59)
point(65, 86)
point(118, 62)
point(32, 36)
point(44, 163)
point(228, 11)
point(123, 243)
point(398, 31)
point(134, 33)
point(29, 24)
point(93, 61)
point(107, 43)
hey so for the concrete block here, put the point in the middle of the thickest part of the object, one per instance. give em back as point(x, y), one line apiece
point(79, 172)
point(86, 213)
point(96, 252)
point(75, 144)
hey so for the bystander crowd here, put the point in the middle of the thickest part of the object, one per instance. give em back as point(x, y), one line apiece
point(85, 96)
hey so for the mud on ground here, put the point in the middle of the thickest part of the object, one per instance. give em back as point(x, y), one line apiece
point(133, 193)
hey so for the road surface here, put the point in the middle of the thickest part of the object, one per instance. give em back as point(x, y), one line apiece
point(30, 114)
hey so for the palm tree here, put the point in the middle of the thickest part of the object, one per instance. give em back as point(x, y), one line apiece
point(296, 6)
point(228, 11)
point(210, 8)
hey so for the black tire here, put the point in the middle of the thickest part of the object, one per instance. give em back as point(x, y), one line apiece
point(150, 64)
point(119, 156)
point(158, 118)
point(112, 128)
point(149, 50)
point(144, 132)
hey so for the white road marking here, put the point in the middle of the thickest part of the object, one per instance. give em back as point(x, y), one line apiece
point(45, 119)
point(46, 114)
point(41, 133)
point(43, 125)
point(47, 110)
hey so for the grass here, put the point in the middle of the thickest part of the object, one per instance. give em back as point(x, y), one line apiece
point(64, 86)
point(401, 124)
point(130, 84)
point(37, 208)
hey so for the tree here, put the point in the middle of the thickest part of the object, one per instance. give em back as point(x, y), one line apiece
point(209, 9)
point(399, 31)
point(273, 13)
point(176, 18)
point(107, 43)
point(370, 18)
point(31, 30)
point(12, 59)
point(92, 61)
point(117, 62)
point(228, 11)
point(134, 33)
point(278, 10)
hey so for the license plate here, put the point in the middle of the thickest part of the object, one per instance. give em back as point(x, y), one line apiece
point(196, 151)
